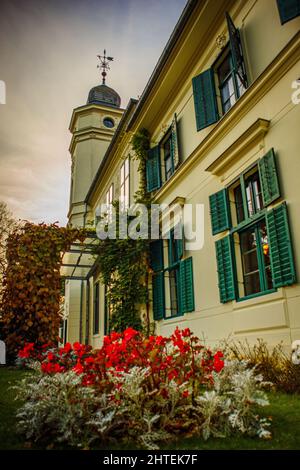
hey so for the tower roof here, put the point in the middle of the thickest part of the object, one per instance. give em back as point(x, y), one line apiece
point(103, 94)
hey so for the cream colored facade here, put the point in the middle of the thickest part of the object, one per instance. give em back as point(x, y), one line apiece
point(263, 117)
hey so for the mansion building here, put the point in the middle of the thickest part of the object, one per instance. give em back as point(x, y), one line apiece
point(222, 108)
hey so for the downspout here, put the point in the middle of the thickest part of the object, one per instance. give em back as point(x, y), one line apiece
point(82, 288)
point(87, 320)
point(81, 311)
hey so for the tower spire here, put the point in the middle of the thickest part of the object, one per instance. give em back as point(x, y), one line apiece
point(104, 65)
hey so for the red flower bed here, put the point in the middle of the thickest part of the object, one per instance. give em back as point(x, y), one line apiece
point(180, 357)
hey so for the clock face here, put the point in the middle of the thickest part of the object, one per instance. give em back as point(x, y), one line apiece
point(109, 122)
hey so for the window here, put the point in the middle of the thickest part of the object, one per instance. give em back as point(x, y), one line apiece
point(174, 291)
point(230, 85)
point(107, 311)
point(251, 245)
point(108, 201)
point(217, 89)
point(247, 195)
point(256, 256)
point(288, 10)
point(168, 156)
point(172, 283)
point(172, 277)
point(165, 154)
point(96, 309)
point(253, 193)
point(124, 184)
point(109, 122)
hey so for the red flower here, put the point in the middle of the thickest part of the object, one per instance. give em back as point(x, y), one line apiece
point(78, 368)
point(50, 356)
point(26, 351)
point(50, 368)
point(129, 333)
point(66, 349)
point(173, 374)
point(218, 361)
point(186, 332)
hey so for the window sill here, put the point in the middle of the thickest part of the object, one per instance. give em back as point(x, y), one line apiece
point(260, 297)
point(173, 317)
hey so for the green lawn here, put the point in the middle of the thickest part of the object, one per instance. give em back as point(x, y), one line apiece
point(284, 409)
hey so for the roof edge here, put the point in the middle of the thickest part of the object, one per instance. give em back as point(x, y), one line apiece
point(132, 102)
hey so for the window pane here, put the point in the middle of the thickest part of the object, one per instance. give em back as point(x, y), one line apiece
point(173, 276)
point(173, 249)
point(239, 204)
point(266, 254)
point(126, 167)
point(169, 170)
point(250, 261)
point(252, 284)
point(225, 69)
point(167, 147)
point(254, 194)
point(228, 94)
point(126, 193)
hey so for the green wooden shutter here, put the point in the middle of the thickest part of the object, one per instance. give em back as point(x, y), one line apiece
point(187, 300)
point(236, 51)
point(174, 142)
point(224, 256)
point(219, 211)
point(281, 253)
point(205, 100)
point(158, 290)
point(179, 241)
point(156, 255)
point(153, 174)
point(269, 178)
point(175, 245)
point(288, 10)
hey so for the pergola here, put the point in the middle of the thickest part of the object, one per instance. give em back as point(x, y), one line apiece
point(78, 261)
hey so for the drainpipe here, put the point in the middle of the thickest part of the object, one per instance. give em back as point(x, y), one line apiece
point(81, 311)
point(82, 286)
point(87, 319)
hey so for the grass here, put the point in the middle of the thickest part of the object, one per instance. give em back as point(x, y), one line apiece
point(284, 409)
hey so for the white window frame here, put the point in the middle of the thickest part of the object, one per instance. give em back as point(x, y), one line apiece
point(125, 184)
point(108, 201)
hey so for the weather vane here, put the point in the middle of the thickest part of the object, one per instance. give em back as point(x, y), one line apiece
point(104, 64)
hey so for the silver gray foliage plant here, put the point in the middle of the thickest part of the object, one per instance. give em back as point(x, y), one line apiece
point(57, 408)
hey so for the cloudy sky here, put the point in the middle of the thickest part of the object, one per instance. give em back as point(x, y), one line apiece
point(48, 62)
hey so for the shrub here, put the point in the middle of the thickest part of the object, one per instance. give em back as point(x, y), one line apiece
point(274, 364)
point(143, 389)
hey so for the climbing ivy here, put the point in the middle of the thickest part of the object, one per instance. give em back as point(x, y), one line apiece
point(32, 285)
point(124, 263)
